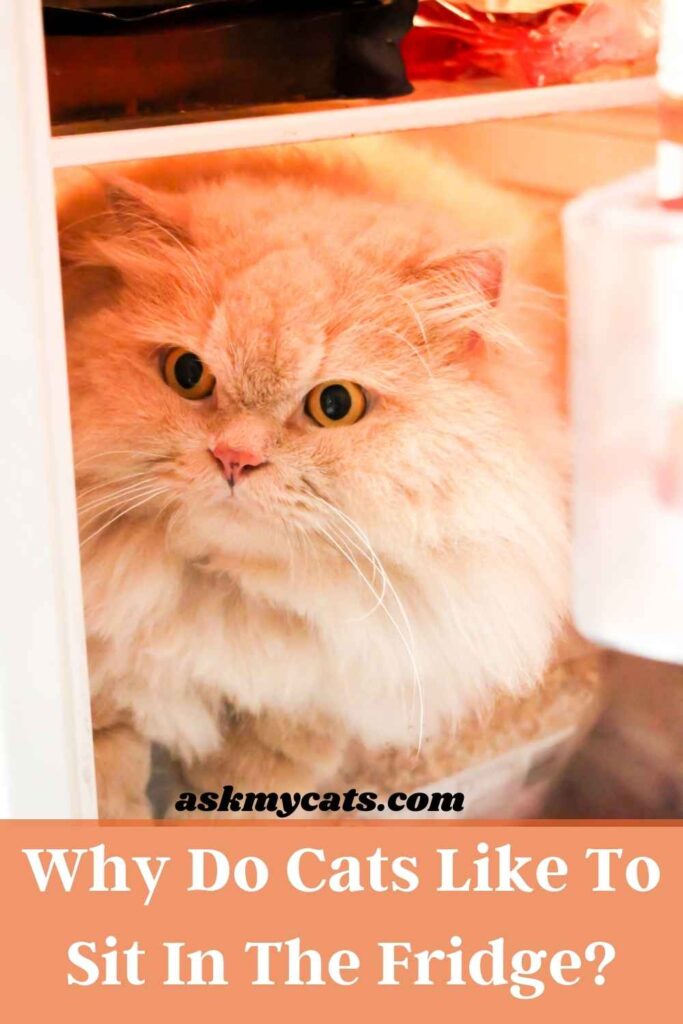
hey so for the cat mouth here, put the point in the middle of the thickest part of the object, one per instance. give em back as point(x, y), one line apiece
point(236, 474)
point(237, 470)
point(234, 480)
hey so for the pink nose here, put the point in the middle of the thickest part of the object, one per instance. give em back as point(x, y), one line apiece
point(236, 462)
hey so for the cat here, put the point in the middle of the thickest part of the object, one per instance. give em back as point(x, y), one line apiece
point(320, 453)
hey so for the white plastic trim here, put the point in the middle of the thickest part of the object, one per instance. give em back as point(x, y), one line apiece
point(46, 762)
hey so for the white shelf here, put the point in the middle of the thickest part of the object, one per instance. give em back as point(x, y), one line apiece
point(488, 103)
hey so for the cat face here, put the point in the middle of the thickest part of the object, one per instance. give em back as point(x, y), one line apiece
point(267, 364)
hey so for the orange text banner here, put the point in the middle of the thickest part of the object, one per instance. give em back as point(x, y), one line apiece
point(312, 922)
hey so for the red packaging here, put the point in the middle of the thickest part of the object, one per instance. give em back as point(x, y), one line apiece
point(530, 42)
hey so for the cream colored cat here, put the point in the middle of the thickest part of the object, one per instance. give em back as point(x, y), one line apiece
point(320, 458)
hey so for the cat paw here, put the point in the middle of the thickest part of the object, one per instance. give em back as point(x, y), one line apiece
point(122, 766)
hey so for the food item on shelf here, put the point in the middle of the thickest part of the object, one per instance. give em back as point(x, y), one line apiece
point(532, 42)
point(116, 59)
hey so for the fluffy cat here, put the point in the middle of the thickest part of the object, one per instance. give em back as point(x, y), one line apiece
point(261, 588)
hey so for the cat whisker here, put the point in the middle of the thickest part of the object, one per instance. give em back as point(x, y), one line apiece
point(344, 551)
point(154, 453)
point(343, 540)
point(114, 498)
point(377, 569)
point(109, 483)
point(119, 515)
point(98, 516)
point(116, 495)
point(408, 639)
point(380, 603)
point(115, 492)
point(369, 555)
point(367, 551)
point(410, 645)
point(165, 506)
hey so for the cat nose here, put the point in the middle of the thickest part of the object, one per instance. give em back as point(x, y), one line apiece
point(236, 462)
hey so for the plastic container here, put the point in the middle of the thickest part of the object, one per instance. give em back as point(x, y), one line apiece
point(505, 762)
point(163, 62)
point(625, 264)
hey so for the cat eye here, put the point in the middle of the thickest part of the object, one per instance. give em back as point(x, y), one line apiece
point(336, 403)
point(186, 374)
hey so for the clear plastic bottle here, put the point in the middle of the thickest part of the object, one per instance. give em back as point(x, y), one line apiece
point(625, 264)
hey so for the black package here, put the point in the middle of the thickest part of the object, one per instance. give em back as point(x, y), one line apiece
point(113, 59)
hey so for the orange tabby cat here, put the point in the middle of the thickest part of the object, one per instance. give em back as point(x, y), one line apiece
point(320, 458)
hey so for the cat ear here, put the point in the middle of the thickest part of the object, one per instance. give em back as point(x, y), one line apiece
point(472, 272)
point(484, 270)
point(152, 214)
point(141, 235)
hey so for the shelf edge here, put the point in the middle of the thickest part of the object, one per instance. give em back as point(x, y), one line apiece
point(307, 126)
